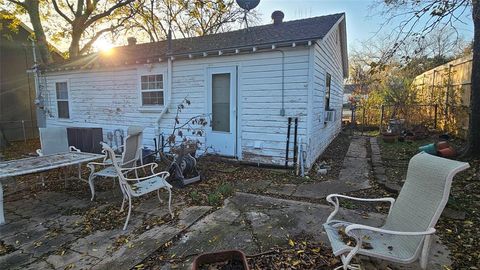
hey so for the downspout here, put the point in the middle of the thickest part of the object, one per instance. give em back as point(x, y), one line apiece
point(169, 82)
point(169, 92)
point(282, 110)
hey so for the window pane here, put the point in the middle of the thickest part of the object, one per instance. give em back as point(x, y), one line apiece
point(221, 102)
point(150, 82)
point(152, 98)
point(63, 109)
point(62, 90)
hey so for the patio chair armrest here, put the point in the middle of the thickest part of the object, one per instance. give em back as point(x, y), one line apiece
point(333, 199)
point(163, 175)
point(74, 149)
point(152, 165)
point(353, 227)
point(385, 199)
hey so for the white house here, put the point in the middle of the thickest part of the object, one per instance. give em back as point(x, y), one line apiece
point(248, 81)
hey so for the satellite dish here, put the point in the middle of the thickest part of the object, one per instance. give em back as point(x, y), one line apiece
point(248, 4)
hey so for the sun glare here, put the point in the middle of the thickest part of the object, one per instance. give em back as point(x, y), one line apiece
point(103, 46)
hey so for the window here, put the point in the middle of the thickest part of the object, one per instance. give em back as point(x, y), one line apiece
point(328, 81)
point(152, 90)
point(63, 110)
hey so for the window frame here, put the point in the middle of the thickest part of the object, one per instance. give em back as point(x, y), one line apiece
point(146, 107)
point(328, 89)
point(67, 81)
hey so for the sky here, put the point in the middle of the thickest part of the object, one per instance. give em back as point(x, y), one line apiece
point(362, 16)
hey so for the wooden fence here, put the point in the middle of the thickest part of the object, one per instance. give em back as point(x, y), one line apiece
point(448, 86)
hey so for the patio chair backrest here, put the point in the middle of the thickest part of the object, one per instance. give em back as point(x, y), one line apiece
point(132, 148)
point(423, 196)
point(54, 140)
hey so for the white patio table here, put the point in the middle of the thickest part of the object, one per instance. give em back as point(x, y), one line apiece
point(23, 166)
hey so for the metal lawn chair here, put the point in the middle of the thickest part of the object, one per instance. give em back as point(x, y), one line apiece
point(54, 140)
point(410, 224)
point(138, 186)
point(131, 154)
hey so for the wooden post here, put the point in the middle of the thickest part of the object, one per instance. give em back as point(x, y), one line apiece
point(381, 117)
point(435, 117)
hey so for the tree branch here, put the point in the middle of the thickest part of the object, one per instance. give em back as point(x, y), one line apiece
point(107, 12)
point(60, 12)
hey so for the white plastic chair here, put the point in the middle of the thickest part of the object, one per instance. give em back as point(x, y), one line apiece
point(138, 186)
point(54, 140)
point(410, 223)
point(131, 154)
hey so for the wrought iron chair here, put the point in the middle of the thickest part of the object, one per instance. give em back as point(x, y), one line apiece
point(138, 186)
point(406, 234)
point(131, 154)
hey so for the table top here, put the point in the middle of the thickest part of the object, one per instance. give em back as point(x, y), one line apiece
point(43, 163)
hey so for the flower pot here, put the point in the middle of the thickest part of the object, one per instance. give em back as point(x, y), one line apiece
point(442, 145)
point(389, 137)
point(429, 148)
point(235, 259)
point(447, 152)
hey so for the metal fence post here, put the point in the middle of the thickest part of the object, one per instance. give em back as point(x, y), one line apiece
point(24, 134)
point(363, 119)
point(381, 118)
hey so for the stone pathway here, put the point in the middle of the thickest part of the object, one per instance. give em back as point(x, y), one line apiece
point(353, 176)
point(379, 169)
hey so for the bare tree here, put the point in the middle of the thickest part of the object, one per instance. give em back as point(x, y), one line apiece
point(84, 15)
point(187, 18)
point(418, 19)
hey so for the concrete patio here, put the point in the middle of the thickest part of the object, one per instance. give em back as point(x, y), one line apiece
point(47, 231)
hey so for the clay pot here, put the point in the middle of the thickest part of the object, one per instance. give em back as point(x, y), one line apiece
point(389, 137)
point(221, 256)
point(442, 145)
point(447, 152)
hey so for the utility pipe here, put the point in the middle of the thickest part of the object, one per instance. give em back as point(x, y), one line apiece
point(169, 92)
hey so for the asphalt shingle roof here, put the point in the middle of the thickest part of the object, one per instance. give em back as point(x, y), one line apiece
point(290, 31)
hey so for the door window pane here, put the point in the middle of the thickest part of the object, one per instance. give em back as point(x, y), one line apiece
point(221, 102)
point(63, 109)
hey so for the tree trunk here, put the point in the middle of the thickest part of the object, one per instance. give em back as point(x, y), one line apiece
point(474, 121)
point(74, 49)
point(41, 40)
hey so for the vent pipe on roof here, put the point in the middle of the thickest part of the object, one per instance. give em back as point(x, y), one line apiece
point(277, 17)
point(131, 41)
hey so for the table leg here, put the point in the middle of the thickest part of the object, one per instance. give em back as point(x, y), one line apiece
point(2, 217)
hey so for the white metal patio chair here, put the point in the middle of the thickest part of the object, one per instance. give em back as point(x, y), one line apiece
point(138, 186)
point(131, 154)
point(54, 140)
point(406, 234)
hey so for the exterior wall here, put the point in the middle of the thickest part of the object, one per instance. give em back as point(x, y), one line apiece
point(326, 58)
point(448, 86)
point(109, 98)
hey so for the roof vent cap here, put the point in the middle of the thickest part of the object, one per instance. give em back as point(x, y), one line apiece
point(277, 17)
point(131, 41)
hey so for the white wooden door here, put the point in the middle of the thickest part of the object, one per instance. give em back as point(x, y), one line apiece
point(222, 109)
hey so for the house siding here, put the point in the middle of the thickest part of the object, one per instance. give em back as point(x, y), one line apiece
point(109, 98)
point(327, 58)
